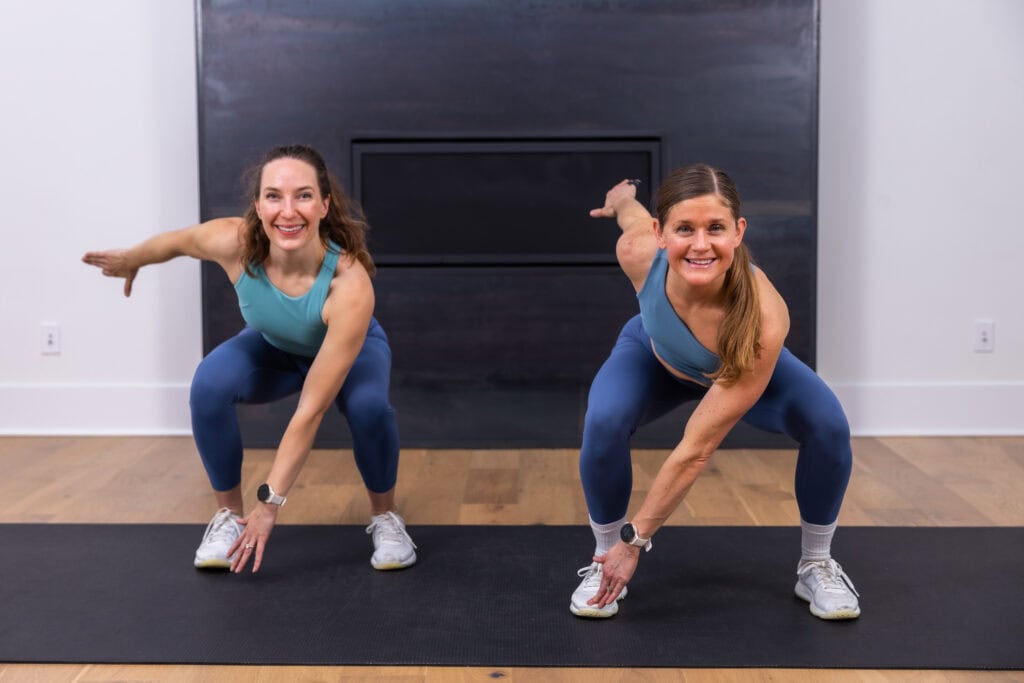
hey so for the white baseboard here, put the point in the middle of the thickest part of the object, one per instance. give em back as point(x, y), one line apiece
point(94, 409)
point(934, 409)
point(910, 409)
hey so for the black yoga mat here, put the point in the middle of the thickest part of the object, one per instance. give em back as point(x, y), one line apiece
point(499, 595)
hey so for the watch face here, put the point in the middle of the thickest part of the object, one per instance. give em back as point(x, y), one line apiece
point(628, 533)
point(263, 493)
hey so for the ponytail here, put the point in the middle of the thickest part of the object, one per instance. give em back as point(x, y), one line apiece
point(739, 334)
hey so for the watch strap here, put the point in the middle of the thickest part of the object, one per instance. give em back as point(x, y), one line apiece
point(634, 538)
point(268, 495)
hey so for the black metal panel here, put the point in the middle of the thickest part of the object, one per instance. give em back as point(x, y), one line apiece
point(733, 84)
point(490, 193)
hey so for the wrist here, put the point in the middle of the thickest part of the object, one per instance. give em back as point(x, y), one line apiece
point(630, 549)
point(131, 258)
point(268, 496)
point(630, 210)
point(268, 509)
point(631, 537)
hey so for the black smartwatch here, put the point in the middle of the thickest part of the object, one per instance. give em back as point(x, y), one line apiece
point(266, 494)
point(631, 537)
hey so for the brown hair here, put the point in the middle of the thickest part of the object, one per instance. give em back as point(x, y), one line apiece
point(344, 223)
point(739, 334)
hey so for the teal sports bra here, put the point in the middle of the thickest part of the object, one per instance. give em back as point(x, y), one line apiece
point(291, 323)
point(672, 339)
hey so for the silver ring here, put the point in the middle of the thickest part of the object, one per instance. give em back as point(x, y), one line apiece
point(249, 546)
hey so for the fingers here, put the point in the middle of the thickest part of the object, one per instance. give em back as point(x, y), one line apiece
point(259, 557)
point(128, 283)
point(244, 549)
point(605, 595)
point(251, 543)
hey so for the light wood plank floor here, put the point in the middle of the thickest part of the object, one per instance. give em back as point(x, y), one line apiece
point(896, 482)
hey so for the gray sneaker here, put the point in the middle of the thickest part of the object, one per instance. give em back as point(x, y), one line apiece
point(828, 589)
point(588, 589)
point(392, 546)
point(218, 538)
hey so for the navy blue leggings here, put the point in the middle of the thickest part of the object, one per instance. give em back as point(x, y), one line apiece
point(247, 369)
point(632, 388)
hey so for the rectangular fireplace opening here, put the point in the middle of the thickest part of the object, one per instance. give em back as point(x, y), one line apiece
point(501, 201)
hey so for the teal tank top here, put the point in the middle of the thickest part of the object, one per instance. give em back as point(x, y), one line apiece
point(291, 323)
point(672, 339)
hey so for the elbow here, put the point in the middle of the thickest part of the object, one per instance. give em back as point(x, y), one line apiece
point(629, 252)
point(309, 417)
point(692, 461)
point(625, 249)
point(699, 459)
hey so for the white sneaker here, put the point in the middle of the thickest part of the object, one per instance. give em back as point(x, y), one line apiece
point(829, 591)
point(392, 546)
point(218, 538)
point(588, 589)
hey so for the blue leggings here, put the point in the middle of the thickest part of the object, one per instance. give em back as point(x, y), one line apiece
point(247, 369)
point(632, 388)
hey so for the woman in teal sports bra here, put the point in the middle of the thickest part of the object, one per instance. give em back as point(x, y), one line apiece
point(711, 330)
point(301, 270)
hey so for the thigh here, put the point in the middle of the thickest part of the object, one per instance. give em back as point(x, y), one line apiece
point(795, 399)
point(632, 385)
point(370, 376)
point(248, 369)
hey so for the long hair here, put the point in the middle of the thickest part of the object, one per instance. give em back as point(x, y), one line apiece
point(739, 335)
point(344, 223)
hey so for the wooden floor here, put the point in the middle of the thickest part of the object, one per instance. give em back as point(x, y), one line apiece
point(896, 482)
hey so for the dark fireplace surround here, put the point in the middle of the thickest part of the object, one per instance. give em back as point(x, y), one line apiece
point(477, 136)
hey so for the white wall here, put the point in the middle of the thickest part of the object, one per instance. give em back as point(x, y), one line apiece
point(921, 104)
point(99, 139)
point(921, 145)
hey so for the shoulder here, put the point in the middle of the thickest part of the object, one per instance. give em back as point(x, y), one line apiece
point(222, 240)
point(224, 227)
point(774, 311)
point(351, 287)
point(221, 237)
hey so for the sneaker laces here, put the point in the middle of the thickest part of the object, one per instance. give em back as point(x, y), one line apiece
point(388, 528)
point(591, 575)
point(219, 528)
point(831, 576)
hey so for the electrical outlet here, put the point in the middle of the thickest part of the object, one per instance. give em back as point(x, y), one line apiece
point(50, 342)
point(984, 336)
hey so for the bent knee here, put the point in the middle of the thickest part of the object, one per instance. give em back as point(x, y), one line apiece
point(833, 428)
point(606, 427)
point(369, 412)
point(208, 395)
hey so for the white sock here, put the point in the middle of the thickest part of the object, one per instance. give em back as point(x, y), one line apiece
point(606, 535)
point(816, 541)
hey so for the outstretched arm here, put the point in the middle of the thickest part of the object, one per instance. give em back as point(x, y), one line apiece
point(637, 245)
point(216, 240)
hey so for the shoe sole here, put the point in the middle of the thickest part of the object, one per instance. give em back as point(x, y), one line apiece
point(389, 566)
point(590, 612)
point(215, 563)
point(822, 614)
point(595, 613)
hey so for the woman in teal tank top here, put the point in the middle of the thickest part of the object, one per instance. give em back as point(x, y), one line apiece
point(711, 332)
point(299, 262)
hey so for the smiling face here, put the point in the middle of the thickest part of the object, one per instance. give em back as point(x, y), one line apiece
point(290, 203)
point(700, 236)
